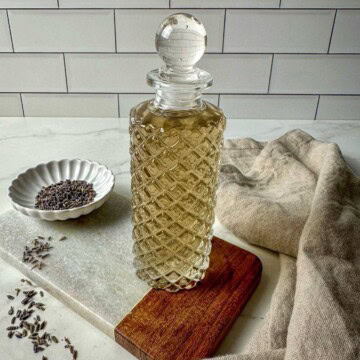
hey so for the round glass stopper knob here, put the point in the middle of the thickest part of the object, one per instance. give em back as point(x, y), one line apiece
point(181, 41)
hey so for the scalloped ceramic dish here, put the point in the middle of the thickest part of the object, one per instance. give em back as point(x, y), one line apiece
point(26, 186)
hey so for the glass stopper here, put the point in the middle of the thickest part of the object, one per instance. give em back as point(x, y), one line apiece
point(181, 41)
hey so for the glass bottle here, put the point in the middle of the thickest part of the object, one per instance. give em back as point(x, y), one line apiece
point(175, 146)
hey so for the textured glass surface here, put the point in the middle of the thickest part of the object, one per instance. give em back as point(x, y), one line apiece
point(175, 149)
point(174, 167)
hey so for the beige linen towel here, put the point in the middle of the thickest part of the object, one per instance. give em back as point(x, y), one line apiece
point(296, 195)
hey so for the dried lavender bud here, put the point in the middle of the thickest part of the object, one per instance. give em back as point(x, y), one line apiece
point(25, 301)
point(10, 297)
point(35, 266)
point(11, 310)
point(66, 194)
point(54, 339)
point(25, 317)
point(12, 328)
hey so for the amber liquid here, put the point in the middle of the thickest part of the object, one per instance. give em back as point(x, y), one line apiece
point(174, 166)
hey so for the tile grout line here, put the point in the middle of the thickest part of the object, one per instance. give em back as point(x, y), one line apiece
point(58, 4)
point(66, 80)
point(118, 103)
point(218, 103)
point(317, 107)
point(186, 8)
point(169, 4)
point(278, 7)
point(357, 54)
point(11, 38)
point(223, 41)
point(22, 104)
point(332, 31)
point(115, 31)
point(271, 68)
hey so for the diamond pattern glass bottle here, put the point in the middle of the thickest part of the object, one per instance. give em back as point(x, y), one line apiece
point(176, 140)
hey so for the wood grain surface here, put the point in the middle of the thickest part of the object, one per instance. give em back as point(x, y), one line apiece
point(191, 324)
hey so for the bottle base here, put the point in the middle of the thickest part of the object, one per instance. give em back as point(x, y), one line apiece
point(163, 283)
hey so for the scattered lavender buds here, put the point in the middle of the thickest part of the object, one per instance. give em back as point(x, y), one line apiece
point(64, 195)
point(34, 256)
point(33, 330)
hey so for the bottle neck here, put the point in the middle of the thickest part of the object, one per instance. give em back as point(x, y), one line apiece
point(177, 100)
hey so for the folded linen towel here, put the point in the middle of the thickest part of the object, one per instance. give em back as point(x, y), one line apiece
point(297, 196)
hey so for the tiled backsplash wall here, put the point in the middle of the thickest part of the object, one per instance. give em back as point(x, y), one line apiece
point(286, 59)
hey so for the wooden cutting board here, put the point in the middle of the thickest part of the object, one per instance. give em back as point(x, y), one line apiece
point(191, 324)
point(92, 273)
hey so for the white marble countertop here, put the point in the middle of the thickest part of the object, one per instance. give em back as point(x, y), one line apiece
point(25, 142)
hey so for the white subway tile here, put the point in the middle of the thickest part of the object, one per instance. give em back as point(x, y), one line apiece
point(5, 40)
point(71, 105)
point(109, 72)
point(135, 29)
point(211, 98)
point(346, 36)
point(316, 74)
point(27, 4)
point(63, 30)
point(10, 105)
point(32, 72)
point(339, 108)
point(237, 73)
point(225, 3)
point(278, 31)
point(114, 4)
point(127, 101)
point(269, 106)
point(126, 73)
point(332, 4)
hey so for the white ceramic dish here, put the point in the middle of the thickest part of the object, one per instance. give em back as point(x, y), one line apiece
point(26, 186)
